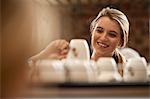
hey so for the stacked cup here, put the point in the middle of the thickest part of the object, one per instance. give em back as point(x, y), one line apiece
point(50, 71)
point(135, 70)
point(148, 72)
point(107, 70)
point(79, 49)
point(78, 65)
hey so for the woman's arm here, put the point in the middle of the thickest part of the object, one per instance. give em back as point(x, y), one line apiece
point(57, 49)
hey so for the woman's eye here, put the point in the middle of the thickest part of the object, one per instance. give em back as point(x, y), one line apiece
point(112, 35)
point(99, 30)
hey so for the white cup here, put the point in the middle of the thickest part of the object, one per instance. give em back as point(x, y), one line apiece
point(148, 72)
point(106, 77)
point(135, 70)
point(51, 71)
point(79, 49)
point(106, 64)
point(80, 71)
point(107, 69)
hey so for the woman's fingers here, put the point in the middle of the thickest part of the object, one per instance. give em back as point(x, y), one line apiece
point(57, 56)
point(54, 56)
point(58, 45)
point(64, 52)
point(62, 57)
point(57, 49)
point(63, 47)
point(62, 44)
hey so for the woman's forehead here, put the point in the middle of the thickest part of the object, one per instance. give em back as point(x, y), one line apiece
point(107, 23)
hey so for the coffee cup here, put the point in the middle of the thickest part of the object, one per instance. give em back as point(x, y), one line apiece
point(148, 72)
point(79, 71)
point(51, 71)
point(79, 49)
point(106, 64)
point(135, 70)
point(107, 69)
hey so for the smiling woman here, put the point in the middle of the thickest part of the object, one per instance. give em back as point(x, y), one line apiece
point(109, 32)
point(105, 37)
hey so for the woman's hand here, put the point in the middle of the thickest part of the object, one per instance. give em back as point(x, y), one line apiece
point(57, 49)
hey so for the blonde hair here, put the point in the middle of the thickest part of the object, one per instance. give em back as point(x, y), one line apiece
point(119, 17)
point(124, 25)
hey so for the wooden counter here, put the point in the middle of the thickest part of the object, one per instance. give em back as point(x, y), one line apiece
point(90, 90)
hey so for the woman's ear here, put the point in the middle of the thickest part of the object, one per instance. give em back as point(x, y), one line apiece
point(91, 30)
point(120, 43)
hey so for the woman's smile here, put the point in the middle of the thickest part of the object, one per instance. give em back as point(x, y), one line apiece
point(102, 44)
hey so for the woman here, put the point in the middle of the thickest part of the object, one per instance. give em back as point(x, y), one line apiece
point(109, 32)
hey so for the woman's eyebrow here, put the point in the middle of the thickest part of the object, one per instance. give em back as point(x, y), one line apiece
point(114, 31)
point(99, 27)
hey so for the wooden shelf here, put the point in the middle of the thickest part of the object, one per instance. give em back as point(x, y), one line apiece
point(90, 90)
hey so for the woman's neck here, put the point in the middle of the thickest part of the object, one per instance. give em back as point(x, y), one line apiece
point(95, 56)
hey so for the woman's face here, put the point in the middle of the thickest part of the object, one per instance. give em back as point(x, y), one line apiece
point(106, 36)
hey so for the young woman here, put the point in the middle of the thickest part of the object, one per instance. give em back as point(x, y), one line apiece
point(109, 31)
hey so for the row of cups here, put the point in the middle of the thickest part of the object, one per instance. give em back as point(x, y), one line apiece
point(104, 70)
point(79, 68)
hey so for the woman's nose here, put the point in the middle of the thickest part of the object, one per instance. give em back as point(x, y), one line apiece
point(104, 37)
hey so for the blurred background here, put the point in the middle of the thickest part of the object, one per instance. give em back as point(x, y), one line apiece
point(28, 26)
